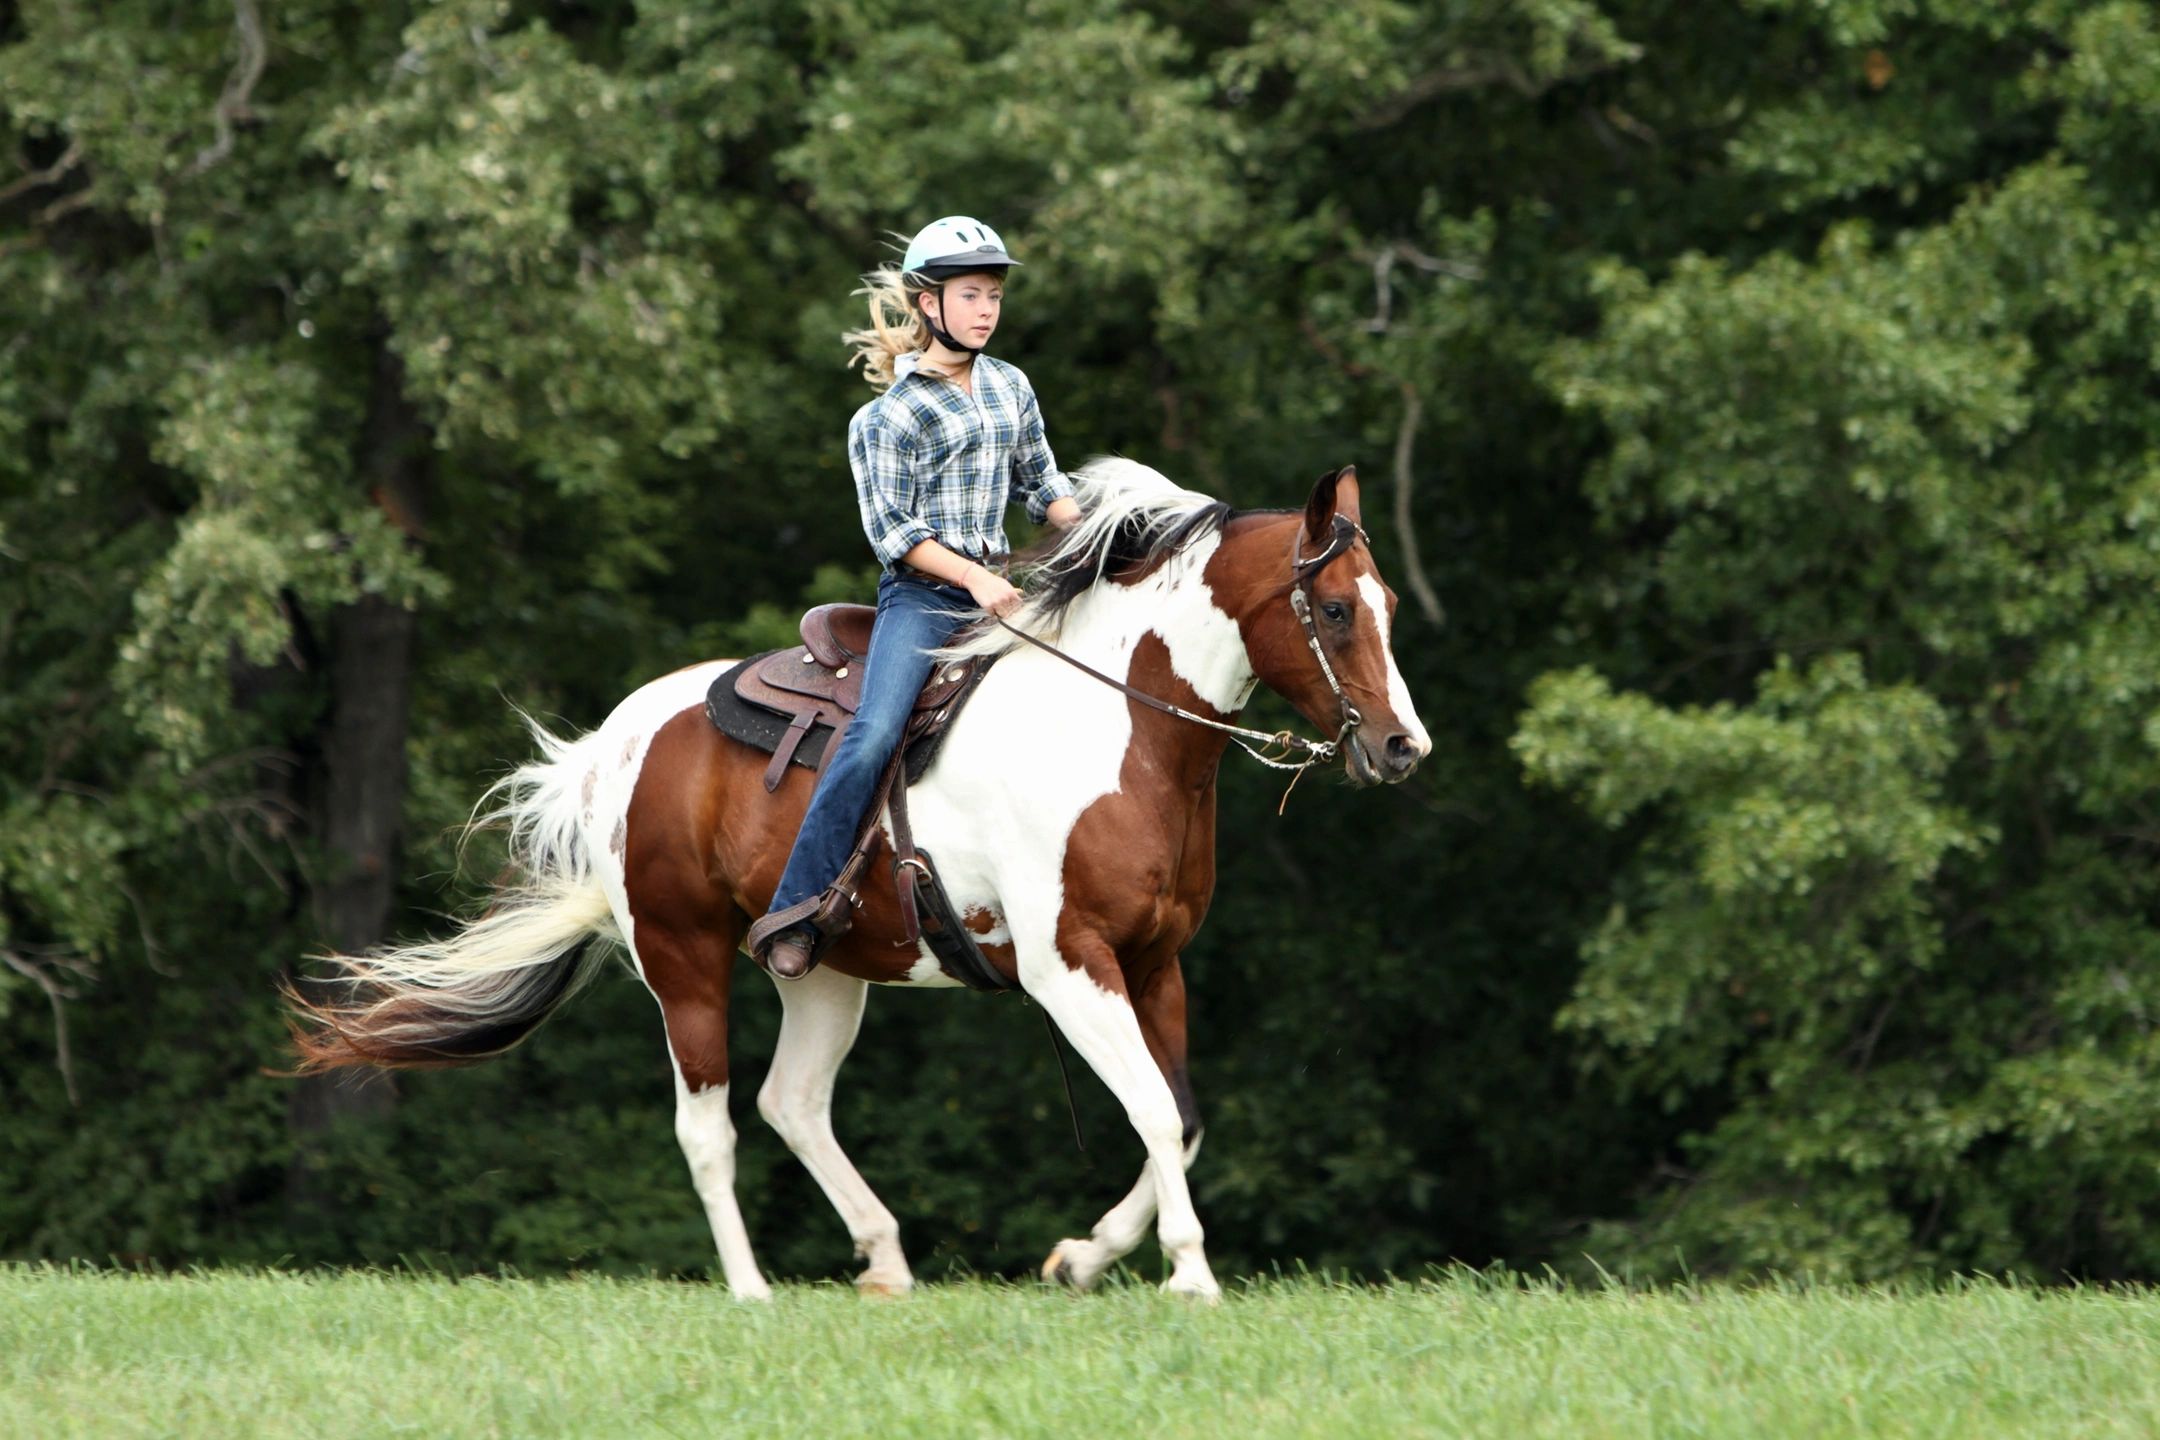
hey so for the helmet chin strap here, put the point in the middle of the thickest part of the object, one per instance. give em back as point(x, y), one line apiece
point(938, 331)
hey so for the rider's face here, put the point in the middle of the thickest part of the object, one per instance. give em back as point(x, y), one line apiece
point(968, 308)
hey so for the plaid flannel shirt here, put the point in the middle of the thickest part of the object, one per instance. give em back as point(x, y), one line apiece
point(933, 462)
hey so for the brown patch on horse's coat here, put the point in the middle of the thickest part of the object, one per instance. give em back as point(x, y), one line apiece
point(1000, 953)
point(684, 926)
point(585, 792)
point(629, 748)
point(616, 841)
point(1140, 863)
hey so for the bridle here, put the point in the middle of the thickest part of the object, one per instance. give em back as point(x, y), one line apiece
point(1272, 750)
point(1346, 533)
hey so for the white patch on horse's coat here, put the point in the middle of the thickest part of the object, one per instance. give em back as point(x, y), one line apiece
point(1398, 693)
point(1207, 651)
point(926, 971)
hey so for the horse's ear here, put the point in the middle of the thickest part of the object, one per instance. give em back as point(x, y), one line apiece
point(1334, 494)
point(1346, 494)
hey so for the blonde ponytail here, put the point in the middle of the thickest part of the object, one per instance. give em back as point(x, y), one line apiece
point(896, 326)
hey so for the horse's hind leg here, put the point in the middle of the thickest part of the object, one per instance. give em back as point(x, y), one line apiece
point(1159, 1005)
point(689, 969)
point(821, 1014)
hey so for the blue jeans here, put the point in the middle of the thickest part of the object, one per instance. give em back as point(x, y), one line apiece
point(914, 617)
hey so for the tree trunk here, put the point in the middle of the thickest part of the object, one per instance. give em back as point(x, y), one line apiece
point(357, 791)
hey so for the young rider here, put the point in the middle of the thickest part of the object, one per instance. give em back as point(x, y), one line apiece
point(952, 439)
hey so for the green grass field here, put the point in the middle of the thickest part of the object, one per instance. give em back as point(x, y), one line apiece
point(370, 1354)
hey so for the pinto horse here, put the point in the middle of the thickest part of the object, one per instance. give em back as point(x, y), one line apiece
point(1074, 828)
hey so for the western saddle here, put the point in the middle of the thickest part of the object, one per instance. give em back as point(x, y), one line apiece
point(821, 684)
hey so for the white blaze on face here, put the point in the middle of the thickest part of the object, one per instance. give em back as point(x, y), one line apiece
point(1398, 694)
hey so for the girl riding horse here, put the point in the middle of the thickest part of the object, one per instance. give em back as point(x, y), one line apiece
point(952, 439)
point(1071, 805)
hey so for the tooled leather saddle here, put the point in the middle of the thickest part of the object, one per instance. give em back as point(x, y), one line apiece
point(815, 690)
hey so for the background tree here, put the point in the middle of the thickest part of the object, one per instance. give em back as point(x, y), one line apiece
point(1761, 398)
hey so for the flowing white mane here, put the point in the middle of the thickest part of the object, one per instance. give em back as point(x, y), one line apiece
point(1129, 512)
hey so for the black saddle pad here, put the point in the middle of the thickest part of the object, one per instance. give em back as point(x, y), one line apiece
point(761, 729)
point(755, 725)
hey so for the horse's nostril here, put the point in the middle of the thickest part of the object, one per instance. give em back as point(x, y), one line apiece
point(1401, 750)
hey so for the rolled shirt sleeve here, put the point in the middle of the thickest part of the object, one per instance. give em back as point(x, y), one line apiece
point(1035, 477)
point(881, 450)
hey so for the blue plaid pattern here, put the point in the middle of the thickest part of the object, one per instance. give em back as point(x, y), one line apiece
point(933, 462)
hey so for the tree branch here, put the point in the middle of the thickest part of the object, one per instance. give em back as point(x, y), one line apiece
point(232, 106)
point(1383, 263)
point(1435, 83)
point(56, 992)
point(68, 160)
point(1491, 71)
point(67, 204)
point(1420, 584)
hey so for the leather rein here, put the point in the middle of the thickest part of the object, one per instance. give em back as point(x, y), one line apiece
point(1273, 750)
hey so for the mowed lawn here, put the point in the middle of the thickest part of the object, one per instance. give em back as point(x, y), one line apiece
point(374, 1354)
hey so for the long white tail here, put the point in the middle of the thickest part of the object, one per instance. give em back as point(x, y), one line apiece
point(491, 983)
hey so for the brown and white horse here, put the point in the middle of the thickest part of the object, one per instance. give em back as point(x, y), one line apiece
point(1073, 827)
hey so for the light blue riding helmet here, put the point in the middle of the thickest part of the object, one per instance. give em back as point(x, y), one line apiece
point(955, 245)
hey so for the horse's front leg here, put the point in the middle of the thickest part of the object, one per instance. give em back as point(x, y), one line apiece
point(1079, 982)
point(1158, 1001)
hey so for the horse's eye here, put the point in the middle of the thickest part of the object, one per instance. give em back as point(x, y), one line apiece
point(1334, 611)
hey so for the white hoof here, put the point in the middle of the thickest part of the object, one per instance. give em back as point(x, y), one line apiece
point(1075, 1264)
point(754, 1292)
point(1199, 1286)
point(883, 1284)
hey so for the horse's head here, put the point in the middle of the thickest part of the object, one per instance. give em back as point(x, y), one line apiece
point(1317, 620)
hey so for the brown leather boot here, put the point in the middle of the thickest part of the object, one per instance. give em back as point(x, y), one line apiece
point(792, 953)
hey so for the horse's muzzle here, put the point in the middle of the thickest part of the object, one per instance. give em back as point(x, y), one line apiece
point(1389, 763)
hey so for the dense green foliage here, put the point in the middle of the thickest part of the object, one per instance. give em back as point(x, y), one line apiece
point(1779, 384)
point(1467, 1354)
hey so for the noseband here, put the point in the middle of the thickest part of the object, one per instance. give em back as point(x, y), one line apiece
point(1273, 750)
